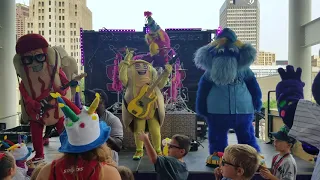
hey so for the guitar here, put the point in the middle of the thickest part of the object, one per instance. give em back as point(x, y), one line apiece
point(45, 103)
point(140, 106)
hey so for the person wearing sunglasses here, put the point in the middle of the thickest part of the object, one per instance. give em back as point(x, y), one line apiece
point(239, 162)
point(171, 167)
point(38, 66)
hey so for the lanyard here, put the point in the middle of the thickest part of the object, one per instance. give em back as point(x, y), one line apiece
point(275, 165)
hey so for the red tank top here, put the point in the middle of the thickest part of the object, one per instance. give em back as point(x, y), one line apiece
point(61, 170)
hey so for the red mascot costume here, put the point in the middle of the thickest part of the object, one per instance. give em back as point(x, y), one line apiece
point(38, 66)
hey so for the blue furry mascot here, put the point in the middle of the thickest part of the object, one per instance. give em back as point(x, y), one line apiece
point(228, 92)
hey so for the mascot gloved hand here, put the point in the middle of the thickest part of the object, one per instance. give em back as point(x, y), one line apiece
point(228, 92)
point(289, 93)
point(141, 112)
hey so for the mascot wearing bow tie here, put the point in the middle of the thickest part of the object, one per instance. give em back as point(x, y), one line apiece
point(228, 93)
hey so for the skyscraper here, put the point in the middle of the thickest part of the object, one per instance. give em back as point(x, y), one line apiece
point(22, 13)
point(243, 16)
point(59, 21)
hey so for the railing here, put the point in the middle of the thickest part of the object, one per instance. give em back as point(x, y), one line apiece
point(3, 126)
point(270, 118)
point(17, 114)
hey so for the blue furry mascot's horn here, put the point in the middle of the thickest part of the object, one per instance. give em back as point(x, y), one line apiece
point(228, 92)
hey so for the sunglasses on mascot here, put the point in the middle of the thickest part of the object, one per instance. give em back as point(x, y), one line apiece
point(27, 60)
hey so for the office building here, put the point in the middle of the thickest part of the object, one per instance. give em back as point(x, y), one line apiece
point(315, 61)
point(59, 21)
point(266, 59)
point(243, 16)
point(22, 13)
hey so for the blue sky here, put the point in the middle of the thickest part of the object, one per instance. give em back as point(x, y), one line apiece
point(128, 14)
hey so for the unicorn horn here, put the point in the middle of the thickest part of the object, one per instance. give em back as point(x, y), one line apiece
point(13, 147)
point(77, 100)
point(68, 112)
point(4, 144)
point(7, 140)
point(94, 104)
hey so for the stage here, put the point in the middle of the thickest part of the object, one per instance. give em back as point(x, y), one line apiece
point(144, 170)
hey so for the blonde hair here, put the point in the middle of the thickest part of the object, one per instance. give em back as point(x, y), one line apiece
point(243, 156)
point(36, 171)
point(125, 173)
point(102, 154)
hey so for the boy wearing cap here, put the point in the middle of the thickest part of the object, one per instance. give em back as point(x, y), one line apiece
point(283, 164)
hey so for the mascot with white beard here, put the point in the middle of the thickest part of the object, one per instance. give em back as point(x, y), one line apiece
point(228, 92)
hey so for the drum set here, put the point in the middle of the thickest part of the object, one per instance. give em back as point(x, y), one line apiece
point(174, 95)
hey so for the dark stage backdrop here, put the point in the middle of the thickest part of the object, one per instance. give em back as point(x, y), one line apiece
point(98, 63)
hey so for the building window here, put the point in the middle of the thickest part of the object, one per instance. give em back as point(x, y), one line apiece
point(42, 4)
point(42, 17)
point(42, 25)
point(62, 25)
point(74, 25)
point(39, 10)
point(42, 10)
point(49, 2)
point(62, 10)
point(74, 33)
point(71, 53)
point(33, 14)
point(75, 6)
point(70, 25)
point(28, 25)
point(59, 33)
point(49, 16)
point(49, 9)
point(43, 33)
point(59, 10)
point(71, 33)
point(28, 32)
point(75, 13)
point(62, 17)
point(59, 25)
point(49, 31)
point(49, 39)
point(62, 33)
point(59, 4)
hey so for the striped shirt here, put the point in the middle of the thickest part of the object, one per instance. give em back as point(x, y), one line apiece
point(306, 127)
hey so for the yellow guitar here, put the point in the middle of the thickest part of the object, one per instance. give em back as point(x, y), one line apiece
point(140, 106)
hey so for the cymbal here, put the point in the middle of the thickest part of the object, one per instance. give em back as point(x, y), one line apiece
point(125, 49)
point(164, 48)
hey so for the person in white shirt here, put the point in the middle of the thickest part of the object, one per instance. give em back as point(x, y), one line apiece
point(301, 116)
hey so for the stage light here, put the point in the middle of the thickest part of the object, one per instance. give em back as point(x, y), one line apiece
point(81, 46)
point(117, 30)
point(183, 29)
point(146, 29)
point(219, 30)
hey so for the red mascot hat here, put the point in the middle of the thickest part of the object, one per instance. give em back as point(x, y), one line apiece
point(30, 42)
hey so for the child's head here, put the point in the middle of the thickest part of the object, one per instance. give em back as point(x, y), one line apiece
point(7, 165)
point(36, 171)
point(179, 146)
point(239, 161)
point(283, 142)
point(125, 173)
